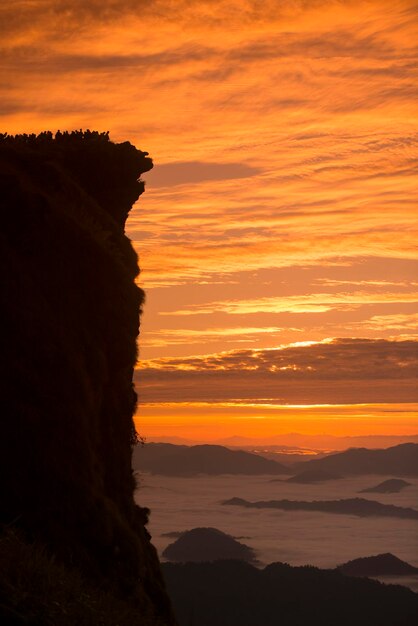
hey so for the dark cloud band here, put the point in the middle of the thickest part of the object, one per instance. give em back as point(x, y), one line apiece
point(338, 371)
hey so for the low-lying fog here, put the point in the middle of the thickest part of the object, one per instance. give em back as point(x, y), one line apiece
point(295, 537)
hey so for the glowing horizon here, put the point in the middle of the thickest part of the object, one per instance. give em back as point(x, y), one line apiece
point(223, 420)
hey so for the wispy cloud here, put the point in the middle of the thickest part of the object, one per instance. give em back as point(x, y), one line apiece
point(308, 303)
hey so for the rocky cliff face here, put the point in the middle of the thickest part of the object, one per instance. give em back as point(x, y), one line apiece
point(69, 348)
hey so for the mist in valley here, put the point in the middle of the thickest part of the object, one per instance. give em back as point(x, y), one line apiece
point(296, 537)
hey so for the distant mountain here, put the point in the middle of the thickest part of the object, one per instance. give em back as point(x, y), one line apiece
point(313, 476)
point(393, 485)
point(179, 441)
point(353, 506)
point(233, 593)
point(315, 443)
point(379, 565)
point(172, 460)
point(400, 460)
point(207, 544)
point(288, 455)
point(321, 441)
point(154, 452)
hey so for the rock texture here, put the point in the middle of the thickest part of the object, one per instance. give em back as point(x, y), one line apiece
point(69, 348)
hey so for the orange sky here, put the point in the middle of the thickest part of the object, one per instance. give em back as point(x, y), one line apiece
point(279, 225)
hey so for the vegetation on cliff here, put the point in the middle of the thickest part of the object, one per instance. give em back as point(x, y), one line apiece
point(71, 322)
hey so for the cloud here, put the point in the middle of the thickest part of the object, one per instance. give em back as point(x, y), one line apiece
point(330, 359)
point(165, 337)
point(306, 303)
point(68, 13)
point(34, 60)
point(331, 371)
point(191, 172)
point(397, 321)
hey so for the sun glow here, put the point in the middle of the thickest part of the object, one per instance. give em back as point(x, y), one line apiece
point(210, 421)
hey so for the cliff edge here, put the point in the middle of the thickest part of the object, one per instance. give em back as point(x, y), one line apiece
point(71, 323)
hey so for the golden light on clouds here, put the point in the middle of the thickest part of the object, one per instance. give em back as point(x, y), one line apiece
point(282, 205)
point(309, 303)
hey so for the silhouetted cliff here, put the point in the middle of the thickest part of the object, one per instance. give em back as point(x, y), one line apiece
point(70, 328)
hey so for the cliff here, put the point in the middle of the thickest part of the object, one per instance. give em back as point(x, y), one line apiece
point(69, 348)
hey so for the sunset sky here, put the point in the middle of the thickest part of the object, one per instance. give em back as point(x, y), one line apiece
point(278, 233)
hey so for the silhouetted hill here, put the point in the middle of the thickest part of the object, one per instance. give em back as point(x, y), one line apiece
point(393, 485)
point(313, 476)
point(70, 323)
point(400, 460)
point(379, 565)
point(207, 544)
point(172, 460)
point(353, 506)
point(233, 593)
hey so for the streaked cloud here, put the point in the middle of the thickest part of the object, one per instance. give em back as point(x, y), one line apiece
point(167, 336)
point(334, 371)
point(394, 322)
point(292, 302)
point(309, 303)
point(170, 174)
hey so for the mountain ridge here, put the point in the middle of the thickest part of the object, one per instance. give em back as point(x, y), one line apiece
point(401, 460)
point(171, 460)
